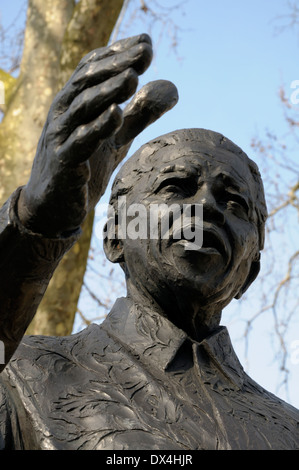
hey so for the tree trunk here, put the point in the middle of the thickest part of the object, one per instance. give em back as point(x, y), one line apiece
point(58, 34)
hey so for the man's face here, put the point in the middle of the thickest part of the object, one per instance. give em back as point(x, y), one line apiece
point(224, 186)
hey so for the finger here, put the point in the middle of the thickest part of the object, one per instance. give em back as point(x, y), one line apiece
point(137, 58)
point(91, 102)
point(83, 142)
point(89, 71)
point(148, 105)
point(117, 47)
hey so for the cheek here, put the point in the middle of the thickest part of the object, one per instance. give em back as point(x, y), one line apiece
point(140, 260)
point(134, 253)
point(247, 240)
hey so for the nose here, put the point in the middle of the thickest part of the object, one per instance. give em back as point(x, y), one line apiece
point(211, 210)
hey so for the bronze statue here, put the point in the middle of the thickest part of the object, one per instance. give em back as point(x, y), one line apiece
point(160, 372)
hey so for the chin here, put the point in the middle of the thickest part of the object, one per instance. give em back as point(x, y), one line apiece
point(197, 270)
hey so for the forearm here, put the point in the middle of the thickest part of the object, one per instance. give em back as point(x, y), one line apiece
point(27, 263)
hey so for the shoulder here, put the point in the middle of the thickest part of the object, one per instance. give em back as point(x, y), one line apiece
point(38, 356)
point(273, 408)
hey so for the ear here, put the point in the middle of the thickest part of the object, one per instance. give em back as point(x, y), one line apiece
point(113, 247)
point(254, 270)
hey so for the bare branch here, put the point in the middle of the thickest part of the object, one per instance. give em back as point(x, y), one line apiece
point(155, 17)
point(292, 200)
point(95, 297)
point(290, 20)
point(87, 321)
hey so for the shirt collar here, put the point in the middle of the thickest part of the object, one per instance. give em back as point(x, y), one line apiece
point(156, 341)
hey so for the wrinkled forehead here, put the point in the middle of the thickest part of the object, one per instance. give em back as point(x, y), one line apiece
point(193, 157)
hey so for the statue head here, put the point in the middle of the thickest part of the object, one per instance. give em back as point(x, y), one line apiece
point(189, 168)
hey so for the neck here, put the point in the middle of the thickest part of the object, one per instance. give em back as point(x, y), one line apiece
point(198, 322)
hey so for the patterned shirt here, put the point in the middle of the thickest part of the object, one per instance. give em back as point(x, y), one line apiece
point(137, 382)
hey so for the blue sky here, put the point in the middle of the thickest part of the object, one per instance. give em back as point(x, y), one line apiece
point(232, 67)
point(232, 64)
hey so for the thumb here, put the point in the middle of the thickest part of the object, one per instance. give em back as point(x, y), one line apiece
point(148, 105)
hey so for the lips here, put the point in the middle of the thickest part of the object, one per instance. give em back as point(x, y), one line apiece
point(214, 239)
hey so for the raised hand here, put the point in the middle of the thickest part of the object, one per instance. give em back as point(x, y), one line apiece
point(87, 134)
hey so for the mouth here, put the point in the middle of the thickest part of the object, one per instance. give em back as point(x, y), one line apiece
point(213, 242)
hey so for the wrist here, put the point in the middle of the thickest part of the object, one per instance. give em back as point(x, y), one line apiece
point(31, 220)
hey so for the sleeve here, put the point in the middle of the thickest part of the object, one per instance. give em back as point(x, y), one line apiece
point(27, 263)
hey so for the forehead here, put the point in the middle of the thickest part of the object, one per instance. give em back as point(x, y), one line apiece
point(192, 158)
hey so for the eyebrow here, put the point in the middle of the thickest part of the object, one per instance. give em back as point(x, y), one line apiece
point(237, 182)
point(190, 170)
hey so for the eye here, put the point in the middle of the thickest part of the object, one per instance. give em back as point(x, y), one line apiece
point(182, 186)
point(237, 204)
